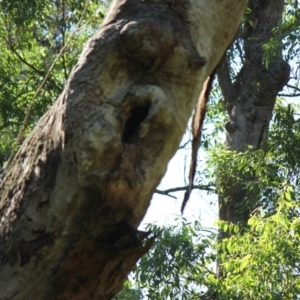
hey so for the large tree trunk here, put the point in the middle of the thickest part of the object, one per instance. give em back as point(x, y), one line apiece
point(250, 100)
point(82, 181)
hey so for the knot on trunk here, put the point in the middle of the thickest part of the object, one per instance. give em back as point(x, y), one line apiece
point(279, 73)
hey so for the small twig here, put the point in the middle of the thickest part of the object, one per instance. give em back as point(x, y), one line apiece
point(63, 33)
point(28, 64)
point(294, 94)
point(293, 87)
point(165, 194)
point(208, 188)
point(289, 95)
point(185, 144)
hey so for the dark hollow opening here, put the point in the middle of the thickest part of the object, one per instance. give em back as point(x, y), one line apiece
point(137, 116)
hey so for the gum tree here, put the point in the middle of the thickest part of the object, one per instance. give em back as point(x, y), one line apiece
point(80, 184)
point(249, 96)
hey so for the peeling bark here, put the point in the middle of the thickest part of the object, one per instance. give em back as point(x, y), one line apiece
point(250, 100)
point(82, 181)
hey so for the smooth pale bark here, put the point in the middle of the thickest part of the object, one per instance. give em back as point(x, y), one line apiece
point(82, 181)
point(250, 100)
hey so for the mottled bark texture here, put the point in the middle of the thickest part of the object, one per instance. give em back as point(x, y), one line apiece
point(82, 181)
point(250, 100)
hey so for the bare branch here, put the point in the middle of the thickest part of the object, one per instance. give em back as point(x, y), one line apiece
point(289, 95)
point(225, 80)
point(208, 188)
point(185, 144)
point(23, 60)
point(293, 87)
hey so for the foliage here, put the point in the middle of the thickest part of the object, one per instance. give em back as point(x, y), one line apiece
point(262, 261)
point(130, 292)
point(32, 34)
point(258, 262)
point(178, 264)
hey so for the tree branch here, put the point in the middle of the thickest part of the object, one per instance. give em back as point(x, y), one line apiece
point(185, 144)
point(289, 95)
point(23, 60)
point(225, 80)
point(209, 188)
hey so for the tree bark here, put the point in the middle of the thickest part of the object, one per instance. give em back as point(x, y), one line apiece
point(82, 181)
point(250, 100)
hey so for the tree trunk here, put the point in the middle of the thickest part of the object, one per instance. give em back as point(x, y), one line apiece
point(82, 181)
point(250, 100)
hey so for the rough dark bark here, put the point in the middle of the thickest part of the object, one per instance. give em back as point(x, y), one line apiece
point(250, 100)
point(82, 181)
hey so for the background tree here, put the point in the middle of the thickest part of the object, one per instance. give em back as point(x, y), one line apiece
point(249, 99)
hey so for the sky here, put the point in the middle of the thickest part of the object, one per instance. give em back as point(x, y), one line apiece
point(164, 209)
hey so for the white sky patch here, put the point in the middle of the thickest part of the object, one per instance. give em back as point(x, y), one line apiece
point(164, 209)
